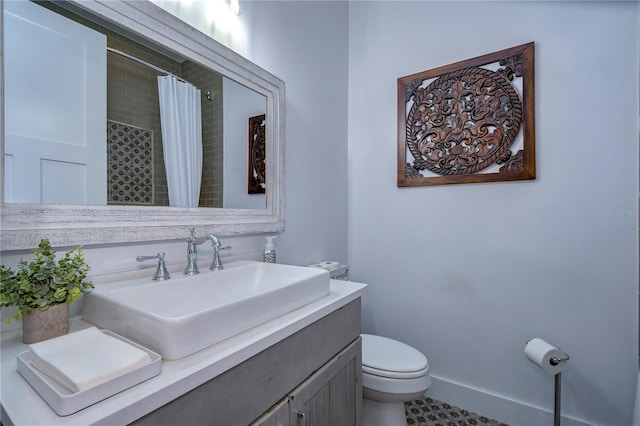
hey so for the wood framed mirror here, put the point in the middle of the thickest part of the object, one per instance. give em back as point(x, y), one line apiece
point(25, 223)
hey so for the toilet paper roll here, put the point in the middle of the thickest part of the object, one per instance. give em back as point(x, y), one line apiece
point(318, 265)
point(329, 265)
point(541, 354)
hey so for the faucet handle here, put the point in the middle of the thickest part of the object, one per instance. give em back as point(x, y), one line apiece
point(216, 265)
point(216, 250)
point(161, 272)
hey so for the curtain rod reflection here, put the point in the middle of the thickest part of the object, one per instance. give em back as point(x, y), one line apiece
point(155, 68)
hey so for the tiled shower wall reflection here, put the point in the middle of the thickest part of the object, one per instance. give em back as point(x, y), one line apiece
point(132, 98)
point(129, 164)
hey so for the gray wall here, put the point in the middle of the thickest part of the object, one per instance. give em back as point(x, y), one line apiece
point(468, 273)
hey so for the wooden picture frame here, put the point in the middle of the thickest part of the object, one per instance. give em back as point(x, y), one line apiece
point(461, 123)
point(256, 179)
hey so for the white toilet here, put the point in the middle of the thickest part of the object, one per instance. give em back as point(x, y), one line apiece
point(392, 373)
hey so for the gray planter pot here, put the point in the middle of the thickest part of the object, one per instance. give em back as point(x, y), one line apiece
point(43, 325)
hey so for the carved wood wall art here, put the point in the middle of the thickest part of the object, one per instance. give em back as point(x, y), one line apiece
point(471, 121)
point(257, 139)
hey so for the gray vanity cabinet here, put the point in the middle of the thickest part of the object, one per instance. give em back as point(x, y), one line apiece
point(279, 415)
point(332, 396)
point(311, 378)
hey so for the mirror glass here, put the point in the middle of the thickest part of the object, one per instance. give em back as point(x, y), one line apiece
point(122, 123)
point(132, 159)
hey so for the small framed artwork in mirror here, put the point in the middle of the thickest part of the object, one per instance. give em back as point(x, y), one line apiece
point(256, 181)
point(470, 121)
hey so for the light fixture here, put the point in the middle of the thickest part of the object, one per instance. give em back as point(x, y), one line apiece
point(223, 13)
point(234, 7)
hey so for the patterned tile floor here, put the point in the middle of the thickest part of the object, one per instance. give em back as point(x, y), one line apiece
point(430, 412)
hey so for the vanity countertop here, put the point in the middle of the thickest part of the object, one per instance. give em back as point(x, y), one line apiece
point(21, 405)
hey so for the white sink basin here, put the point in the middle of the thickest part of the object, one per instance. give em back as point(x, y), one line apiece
point(185, 314)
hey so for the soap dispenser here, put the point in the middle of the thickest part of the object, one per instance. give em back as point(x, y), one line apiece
point(269, 250)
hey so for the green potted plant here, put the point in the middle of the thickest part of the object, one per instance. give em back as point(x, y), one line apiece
point(43, 288)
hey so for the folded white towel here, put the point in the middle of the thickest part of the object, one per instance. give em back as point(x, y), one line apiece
point(86, 358)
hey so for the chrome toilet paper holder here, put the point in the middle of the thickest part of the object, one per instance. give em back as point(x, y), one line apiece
point(555, 360)
point(557, 384)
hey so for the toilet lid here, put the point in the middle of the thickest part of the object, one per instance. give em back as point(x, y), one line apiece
point(389, 358)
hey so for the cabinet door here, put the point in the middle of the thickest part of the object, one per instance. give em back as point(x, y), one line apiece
point(277, 416)
point(333, 394)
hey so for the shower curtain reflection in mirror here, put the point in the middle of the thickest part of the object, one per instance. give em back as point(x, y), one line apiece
point(181, 126)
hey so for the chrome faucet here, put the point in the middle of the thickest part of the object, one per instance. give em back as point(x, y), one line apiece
point(216, 265)
point(161, 272)
point(192, 253)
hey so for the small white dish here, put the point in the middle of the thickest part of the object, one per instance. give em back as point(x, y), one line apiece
point(65, 402)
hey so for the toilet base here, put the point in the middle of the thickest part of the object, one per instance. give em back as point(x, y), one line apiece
point(377, 413)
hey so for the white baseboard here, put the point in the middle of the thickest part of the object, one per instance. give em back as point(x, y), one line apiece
point(497, 407)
